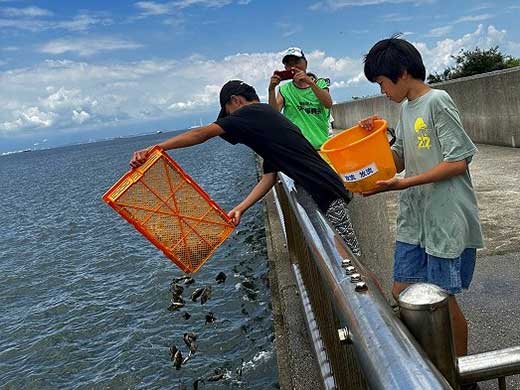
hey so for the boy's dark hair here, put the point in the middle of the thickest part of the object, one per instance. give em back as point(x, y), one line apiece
point(391, 57)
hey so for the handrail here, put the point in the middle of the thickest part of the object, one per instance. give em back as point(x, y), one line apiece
point(387, 353)
point(489, 365)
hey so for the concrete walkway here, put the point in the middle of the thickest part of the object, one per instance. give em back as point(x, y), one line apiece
point(492, 304)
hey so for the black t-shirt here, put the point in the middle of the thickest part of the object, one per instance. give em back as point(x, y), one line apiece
point(284, 149)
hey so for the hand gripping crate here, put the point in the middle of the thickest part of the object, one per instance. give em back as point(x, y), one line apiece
point(163, 203)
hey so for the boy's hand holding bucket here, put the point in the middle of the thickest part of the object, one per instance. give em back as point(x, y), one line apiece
point(368, 122)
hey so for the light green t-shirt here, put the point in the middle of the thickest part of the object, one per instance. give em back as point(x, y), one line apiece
point(441, 217)
point(304, 109)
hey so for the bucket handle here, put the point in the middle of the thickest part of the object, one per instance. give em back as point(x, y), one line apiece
point(391, 131)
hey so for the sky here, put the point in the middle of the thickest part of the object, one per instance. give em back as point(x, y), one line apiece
point(78, 71)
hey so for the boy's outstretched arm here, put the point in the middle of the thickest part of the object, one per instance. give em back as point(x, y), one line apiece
point(440, 172)
point(267, 182)
point(188, 138)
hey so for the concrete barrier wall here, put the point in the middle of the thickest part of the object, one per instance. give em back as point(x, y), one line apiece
point(489, 105)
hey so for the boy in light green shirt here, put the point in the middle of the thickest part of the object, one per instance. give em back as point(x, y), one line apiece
point(438, 228)
point(304, 100)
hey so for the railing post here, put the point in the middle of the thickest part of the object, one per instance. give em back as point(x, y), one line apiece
point(424, 310)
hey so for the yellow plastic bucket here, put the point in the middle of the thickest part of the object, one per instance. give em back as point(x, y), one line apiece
point(361, 157)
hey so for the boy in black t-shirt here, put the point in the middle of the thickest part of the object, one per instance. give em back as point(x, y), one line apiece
point(243, 119)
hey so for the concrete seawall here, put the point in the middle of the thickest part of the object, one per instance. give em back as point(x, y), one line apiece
point(489, 106)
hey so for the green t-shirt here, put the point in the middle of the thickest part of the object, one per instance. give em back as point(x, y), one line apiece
point(304, 109)
point(441, 217)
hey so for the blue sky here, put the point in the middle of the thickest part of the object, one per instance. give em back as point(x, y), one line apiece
point(84, 70)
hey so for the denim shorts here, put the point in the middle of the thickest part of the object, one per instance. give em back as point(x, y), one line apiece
point(413, 265)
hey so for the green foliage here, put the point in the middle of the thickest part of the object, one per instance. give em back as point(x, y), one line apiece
point(472, 62)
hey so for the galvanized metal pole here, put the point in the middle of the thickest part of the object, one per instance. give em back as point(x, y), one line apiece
point(424, 310)
point(489, 365)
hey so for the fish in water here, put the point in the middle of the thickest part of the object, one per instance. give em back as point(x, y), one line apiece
point(218, 374)
point(196, 383)
point(177, 299)
point(248, 284)
point(239, 369)
point(190, 339)
point(186, 315)
point(210, 318)
point(176, 289)
point(176, 356)
point(186, 280)
point(206, 294)
point(221, 277)
point(197, 293)
point(175, 305)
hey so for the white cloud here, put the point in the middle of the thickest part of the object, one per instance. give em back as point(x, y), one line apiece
point(26, 24)
point(289, 29)
point(336, 4)
point(71, 94)
point(80, 116)
point(28, 12)
point(439, 57)
point(474, 18)
point(205, 3)
point(396, 18)
point(483, 6)
point(439, 31)
point(30, 117)
point(87, 46)
point(81, 22)
point(153, 8)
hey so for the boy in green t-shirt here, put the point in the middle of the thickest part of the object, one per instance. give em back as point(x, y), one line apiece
point(438, 228)
point(304, 101)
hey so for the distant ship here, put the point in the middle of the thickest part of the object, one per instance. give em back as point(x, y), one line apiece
point(158, 132)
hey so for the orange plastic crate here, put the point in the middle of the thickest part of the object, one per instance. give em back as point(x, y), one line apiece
point(163, 203)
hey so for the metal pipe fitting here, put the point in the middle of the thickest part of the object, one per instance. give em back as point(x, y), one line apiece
point(424, 310)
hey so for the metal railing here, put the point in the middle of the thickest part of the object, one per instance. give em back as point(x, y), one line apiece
point(359, 341)
point(365, 343)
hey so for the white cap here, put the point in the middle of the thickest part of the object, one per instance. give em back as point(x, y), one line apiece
point(293, 51)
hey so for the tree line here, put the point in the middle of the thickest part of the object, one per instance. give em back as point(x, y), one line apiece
point(472, 62)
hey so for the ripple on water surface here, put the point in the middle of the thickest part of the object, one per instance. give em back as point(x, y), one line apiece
point(85, 297)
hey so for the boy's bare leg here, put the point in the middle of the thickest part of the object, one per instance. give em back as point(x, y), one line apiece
point(458, 321)
point(460, 327)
